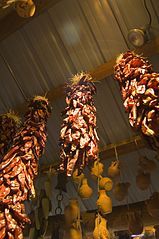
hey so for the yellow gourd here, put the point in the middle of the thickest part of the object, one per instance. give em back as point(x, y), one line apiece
point(100, 230)
point(97, 169)
point(105, 183)
point(85, 191)
point(74, 233)
point(104, 202)
point(114, 169)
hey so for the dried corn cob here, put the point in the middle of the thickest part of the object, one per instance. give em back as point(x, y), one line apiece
point(78, 137)
point(140, 92)
point(19, 168)
point(9, 124)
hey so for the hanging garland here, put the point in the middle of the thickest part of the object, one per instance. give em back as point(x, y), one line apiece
point(140, 92)
point(9, 124)
point(78, 137)
point(19, 168)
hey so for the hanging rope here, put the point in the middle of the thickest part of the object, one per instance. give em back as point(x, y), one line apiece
point(117, 159)
point(116, 153)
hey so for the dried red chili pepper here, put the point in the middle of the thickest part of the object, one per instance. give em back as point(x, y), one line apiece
point(140, 92)
point(9, 125)
point(19, 168)
point(78, 137)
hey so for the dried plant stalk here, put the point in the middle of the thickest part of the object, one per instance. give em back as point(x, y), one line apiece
point(19, 168)
point(140, 92)
point(9, 125)
point(78, 137)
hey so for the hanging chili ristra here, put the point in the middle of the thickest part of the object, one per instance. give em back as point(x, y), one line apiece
point(9, 125)
point(19, 168)
point(140, 92)
point(78, 137)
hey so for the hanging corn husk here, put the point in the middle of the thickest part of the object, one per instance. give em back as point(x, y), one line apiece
point(78, 137)
point(9, 125)
point(42, 209)
point(19, 168)
point(140, 92)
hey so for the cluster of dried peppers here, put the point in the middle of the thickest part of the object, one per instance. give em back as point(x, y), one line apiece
point(140, 92)
point(78, 136)
point(19, 168)
point(9, 125)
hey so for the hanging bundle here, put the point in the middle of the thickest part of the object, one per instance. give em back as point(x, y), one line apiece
point(19, 168)
point(140, 89)
point(100, 230)
point(78, 137)
point(9, 124)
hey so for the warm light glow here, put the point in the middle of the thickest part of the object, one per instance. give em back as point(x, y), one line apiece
point(136, 37)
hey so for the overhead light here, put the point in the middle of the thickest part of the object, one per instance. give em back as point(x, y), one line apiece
point(137, 37)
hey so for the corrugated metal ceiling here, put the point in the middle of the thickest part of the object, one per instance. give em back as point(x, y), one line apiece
point(73, 35)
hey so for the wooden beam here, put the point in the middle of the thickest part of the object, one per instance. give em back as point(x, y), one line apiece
point(12, 22)
point(123, 147)
point(108, 151)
